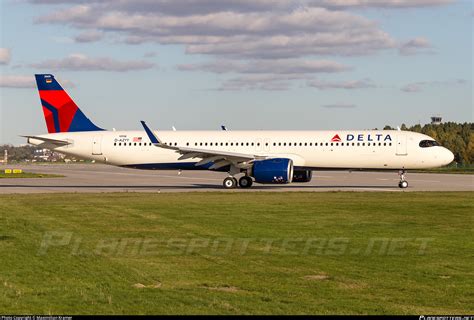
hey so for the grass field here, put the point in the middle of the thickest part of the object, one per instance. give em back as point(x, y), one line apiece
point(460, 170)
point(237, 253)
point(28, 175)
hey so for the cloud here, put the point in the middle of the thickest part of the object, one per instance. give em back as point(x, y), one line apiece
point(339, 106)
point(5, 56)
point(348, 85)
point(383, 3)
point(264, 82)
point(246, 36)
point(89, 36)
point(278, 66)
point(80, 62)
point(412, 87)
point(24, 82)
point(266, 34)
point(183, 7)
point(419, 86)
point(415, 46)
point(150, 54)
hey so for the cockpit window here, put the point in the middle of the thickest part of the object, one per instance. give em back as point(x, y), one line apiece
point(428, 143)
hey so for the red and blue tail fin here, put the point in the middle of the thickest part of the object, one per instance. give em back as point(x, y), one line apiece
point(60, 112)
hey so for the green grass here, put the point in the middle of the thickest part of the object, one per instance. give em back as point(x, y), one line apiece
point(130, 253)
point(461, 169)
point(4, 175)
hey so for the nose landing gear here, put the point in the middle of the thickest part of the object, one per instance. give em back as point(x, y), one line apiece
point(403, 184)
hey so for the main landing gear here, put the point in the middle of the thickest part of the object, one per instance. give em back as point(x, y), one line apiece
point(403, 183)
point(231, 182)
point(245, 182)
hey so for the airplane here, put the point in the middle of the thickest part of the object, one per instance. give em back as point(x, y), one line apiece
point(265, 157)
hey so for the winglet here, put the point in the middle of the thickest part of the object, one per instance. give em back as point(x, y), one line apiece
point(153, 138)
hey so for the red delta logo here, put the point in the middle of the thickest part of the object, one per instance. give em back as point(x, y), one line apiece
point(336, 138)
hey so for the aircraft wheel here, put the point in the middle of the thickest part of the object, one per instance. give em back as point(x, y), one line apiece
point(230, 183)
point(403, 184)
point(245, 182)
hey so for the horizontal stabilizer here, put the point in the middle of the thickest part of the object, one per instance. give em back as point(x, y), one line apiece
point(55, 142)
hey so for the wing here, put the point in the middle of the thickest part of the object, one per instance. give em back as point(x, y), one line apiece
point(218, 158)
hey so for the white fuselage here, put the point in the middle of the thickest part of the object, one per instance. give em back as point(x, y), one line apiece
point(371, 149)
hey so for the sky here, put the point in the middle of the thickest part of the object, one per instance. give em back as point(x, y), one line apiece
point(248, 64)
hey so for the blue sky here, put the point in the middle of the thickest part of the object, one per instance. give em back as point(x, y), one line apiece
point(260, 64)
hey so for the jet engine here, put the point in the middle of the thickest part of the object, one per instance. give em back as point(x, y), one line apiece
point(302, 175)
point(275, 171)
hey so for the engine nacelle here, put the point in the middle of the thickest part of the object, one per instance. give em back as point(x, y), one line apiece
point(302, 175)
point(277, 171)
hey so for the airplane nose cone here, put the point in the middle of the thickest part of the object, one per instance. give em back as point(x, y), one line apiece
point(448, 156)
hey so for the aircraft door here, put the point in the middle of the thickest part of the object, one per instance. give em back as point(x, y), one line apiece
point(97, 145)
point(401, 145)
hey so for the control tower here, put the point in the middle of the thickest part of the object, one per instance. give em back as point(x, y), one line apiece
point(435, 120)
